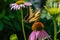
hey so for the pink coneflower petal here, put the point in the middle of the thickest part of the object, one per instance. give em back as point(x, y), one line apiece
point(32, 36)
point(44, 34)
point(13, 4)
point(16, 6)
point(22, 5)
point(39, 35)
point(12, 7)
point(27, 4)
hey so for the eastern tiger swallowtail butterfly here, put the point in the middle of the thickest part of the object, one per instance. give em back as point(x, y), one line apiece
point(32, 16)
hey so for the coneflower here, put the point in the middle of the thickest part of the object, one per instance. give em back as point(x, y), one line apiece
point(19, 4)
point(38, 32)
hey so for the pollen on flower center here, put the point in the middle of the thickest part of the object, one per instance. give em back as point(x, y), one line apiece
point(19, 2)
point(37, 26)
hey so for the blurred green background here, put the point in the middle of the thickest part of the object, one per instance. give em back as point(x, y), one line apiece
point(10, 21)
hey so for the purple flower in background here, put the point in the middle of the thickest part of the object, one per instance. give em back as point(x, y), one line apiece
point(40, 35)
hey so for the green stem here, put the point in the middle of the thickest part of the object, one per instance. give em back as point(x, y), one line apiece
point(23, 24)
point(55, 29)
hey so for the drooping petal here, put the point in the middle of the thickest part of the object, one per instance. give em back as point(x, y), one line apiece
point(32, 36)
point(22, 5)
point(27, 4)
point(43, 34)
point(13, 4)
point(37, 34)
point(16, 6)
point(13, 7)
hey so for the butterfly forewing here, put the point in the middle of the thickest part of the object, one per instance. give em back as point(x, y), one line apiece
point(30, 12)
point(37, 13)
point(29, 15)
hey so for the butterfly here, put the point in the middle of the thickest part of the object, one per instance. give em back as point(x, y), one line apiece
point(32, 16)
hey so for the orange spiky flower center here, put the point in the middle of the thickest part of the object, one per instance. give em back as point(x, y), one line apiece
point(37, 26)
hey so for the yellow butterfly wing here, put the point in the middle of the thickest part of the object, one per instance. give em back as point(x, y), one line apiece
point(30, 12)
point(36, 16)
point(37, 13)
point(29, 15)
point(33, 16)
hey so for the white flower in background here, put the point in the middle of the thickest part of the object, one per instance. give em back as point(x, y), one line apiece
point(16, 6)
point(22, 5)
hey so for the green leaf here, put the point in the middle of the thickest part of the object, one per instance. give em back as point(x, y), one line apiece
point(11, 16)
point(17, 25)
point(2, 14)
point(5, 0)
point(8, 23)
point(1, 26)
point(27, 26)
point(11, 1)
point(13, 37)
point(6, 18)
